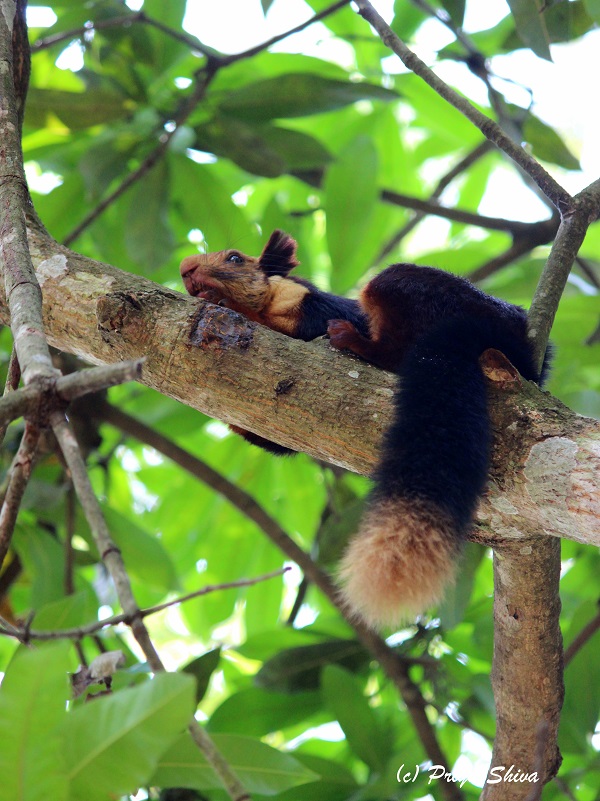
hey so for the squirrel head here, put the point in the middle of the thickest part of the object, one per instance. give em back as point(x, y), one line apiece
point(237, 280)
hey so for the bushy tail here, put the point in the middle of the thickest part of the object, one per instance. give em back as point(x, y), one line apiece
point(432, 469)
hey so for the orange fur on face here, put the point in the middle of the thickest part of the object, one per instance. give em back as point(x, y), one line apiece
point(213, 277)
point(400, 562)
point(272, 300)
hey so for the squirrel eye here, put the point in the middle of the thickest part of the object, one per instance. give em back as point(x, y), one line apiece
point(235, 258)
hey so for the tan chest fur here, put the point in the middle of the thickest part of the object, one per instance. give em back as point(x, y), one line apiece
point(284, 304)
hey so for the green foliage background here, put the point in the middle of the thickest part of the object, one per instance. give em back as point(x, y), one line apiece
point(305, 145)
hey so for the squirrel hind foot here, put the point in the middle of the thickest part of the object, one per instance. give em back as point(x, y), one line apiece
point(400, 562)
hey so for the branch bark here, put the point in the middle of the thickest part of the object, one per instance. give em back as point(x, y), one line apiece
point(308, 397)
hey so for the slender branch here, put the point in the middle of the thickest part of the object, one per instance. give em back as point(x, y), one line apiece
point(571, 233)
point(457, 215)
point(111, 556)
point(79, 632)
point(491, 130)
point(32, 399)
point(460, 167)
point(123, 21)
point(517, 249)
point(588, 270)
point(22, 290)
point(94, 379)
point(13, 376)
point(396, 669)
point(586, 633)
point(253, 51)
point(69, 582)
point(19, 473)
point(518, 229)
point(203, 78)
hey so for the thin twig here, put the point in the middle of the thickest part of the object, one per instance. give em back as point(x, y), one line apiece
point(79, 632)
point(586, 633)
point(203, 79)
point(29, 400)
point(111, 556)
point(541, 233)
point(514, 227)
point(117, 22)
point(571, 233)
point(69, 533)
point(460, 167)
point(253, 51)
point(517, 228)
point(490, 129)
point(13, 376)
point(588, 270)
point(19, 473)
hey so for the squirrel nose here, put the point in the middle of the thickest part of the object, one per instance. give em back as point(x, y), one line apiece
point(188, 265)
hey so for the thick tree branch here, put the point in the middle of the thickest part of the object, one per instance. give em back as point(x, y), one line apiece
point(305, 395)
point(527, 666)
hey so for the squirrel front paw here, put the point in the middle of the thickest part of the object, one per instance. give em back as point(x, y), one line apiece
point(342, 334)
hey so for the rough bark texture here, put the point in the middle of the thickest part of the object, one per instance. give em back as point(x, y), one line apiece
point(545, 469)
point(528, 666)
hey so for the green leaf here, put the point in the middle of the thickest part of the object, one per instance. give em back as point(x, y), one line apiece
point(363, 732)
point(202, 198)
point(581, 708)
point(33, 698)
point(350, 195)
point(105, 160)
point(256, 712)
point(457, 597)
point(266, 5)
point(244, 144)
point(407, 19)
point(112, 745)
point(456, 10)
point(261, 769)
point(144, 555)
point(44, 559)
point(298, 95)
point(593, 9)
point(69, 612)
point(76, 110)
point(547, 144)
point(567, 21)
point(298, 150)
point(299, 669)
point(531, 26)
point(202, 669)
point(147, 233)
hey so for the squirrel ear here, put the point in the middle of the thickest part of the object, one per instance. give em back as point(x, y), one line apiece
point(279, 254)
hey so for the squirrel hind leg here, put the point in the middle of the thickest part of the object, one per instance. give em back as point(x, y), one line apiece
point(400, 562)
